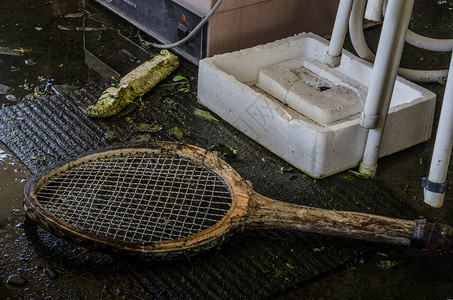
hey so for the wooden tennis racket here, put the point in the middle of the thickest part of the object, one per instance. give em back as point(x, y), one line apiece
point(168, 199)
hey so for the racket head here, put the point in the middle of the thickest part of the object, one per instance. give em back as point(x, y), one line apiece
point(229, 206)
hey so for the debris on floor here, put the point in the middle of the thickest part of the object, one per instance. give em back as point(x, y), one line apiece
point(137, 82)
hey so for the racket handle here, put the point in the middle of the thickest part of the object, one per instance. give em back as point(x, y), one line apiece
point(432, 236)
point(264, 212)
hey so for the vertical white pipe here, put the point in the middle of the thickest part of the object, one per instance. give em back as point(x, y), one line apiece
point(340, 27)
point(373, 10)
point(442, 147)
point(383, 78)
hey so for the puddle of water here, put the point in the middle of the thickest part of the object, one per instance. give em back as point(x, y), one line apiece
point(14, 176)
point(55, 49)
point(47, 55)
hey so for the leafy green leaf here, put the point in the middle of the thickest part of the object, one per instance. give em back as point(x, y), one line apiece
point(289, 266)
point(179, 78)
point(186, 87)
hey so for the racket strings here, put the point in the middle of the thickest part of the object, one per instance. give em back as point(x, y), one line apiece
point(138, 197)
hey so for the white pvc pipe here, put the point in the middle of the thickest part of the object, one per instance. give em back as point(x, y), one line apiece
point(383, 78)
point(373, 10)
point(420, 41)
point(356, 31)
point(362, 49)
point(442, 147)
point(423, 75)
point(386, 63)
point(340, 27)
point(384, 8)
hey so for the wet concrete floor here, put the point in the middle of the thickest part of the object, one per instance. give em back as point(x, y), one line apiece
point(55, 56)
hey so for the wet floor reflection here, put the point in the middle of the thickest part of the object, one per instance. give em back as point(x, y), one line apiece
point(11, 189)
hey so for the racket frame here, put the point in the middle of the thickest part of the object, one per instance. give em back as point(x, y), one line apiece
point(200, 241)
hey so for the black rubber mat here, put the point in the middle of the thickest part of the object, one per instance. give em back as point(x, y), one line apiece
point(250, 265)
point(45, 130)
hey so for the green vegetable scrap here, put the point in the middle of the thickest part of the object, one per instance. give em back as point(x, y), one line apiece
point(111, 135)
point(38, 157)
point(115, 82)
point(227, 151)
point(186, 87)
point(150, 128)
point(387, 264)
point(286, 170)
point(205, 115)
point(177, 133)
point(142, 138)
point(137, 82)
point(26, 86)
point(281, 274)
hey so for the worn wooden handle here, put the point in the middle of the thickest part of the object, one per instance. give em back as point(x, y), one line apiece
point(267, 213)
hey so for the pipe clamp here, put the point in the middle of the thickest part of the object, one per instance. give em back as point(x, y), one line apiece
point(368, 121)
point(435, 187)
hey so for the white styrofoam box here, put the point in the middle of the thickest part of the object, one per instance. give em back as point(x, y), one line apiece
point(320, 146)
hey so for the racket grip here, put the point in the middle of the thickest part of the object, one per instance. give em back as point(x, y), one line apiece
point(265, 212)
point(432, 236)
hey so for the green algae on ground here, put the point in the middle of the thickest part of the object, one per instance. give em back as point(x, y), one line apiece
point(137, 82)
point(347, 177)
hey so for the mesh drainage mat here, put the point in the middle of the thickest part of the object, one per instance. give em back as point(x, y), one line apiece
point(50, 129)
point(252, 265)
